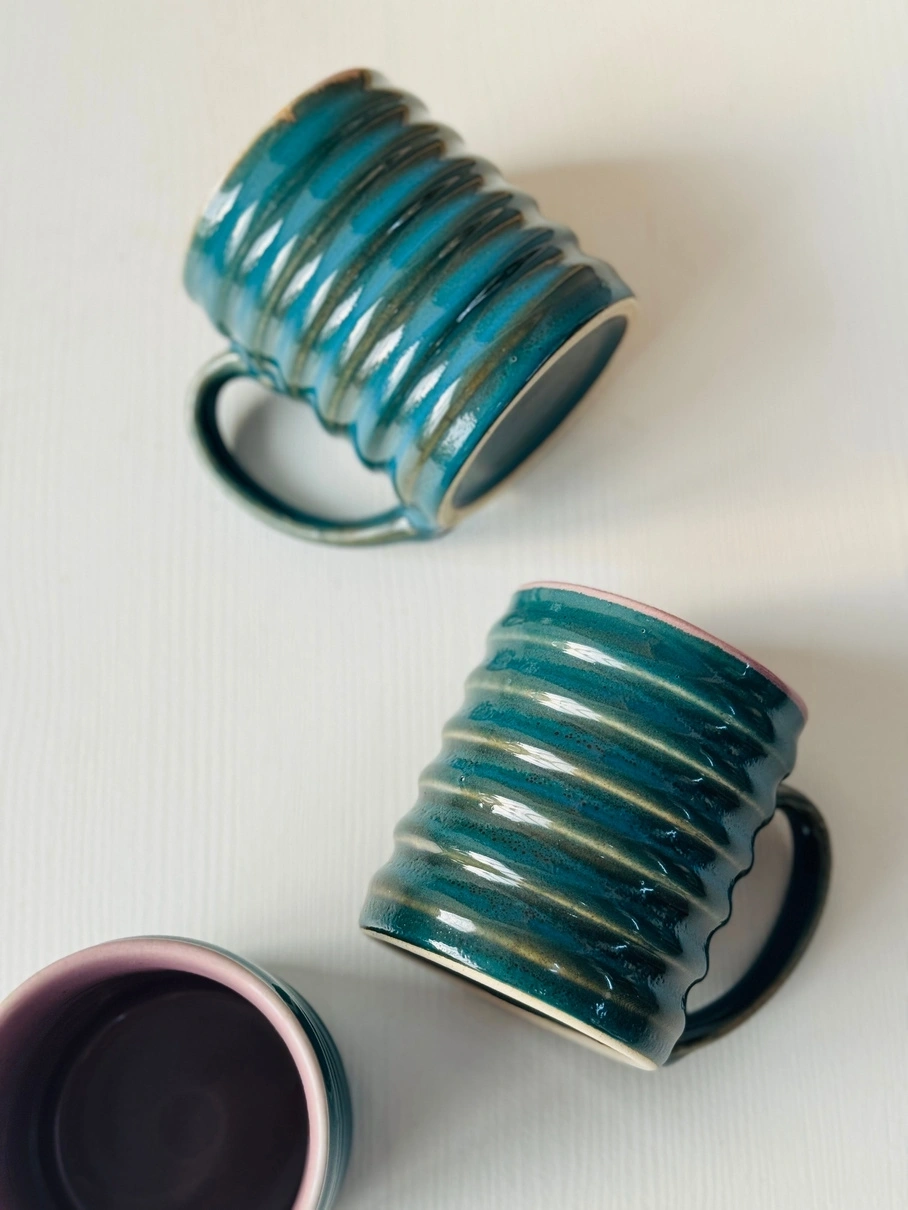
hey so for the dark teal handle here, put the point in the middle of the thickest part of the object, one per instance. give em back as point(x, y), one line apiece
point(798, 917)
point(392, 526)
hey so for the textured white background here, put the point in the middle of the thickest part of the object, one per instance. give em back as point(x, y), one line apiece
point(208, 729)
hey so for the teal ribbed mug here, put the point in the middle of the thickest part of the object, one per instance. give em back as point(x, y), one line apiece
point(575, 844)
point(359, 259)
point(156, 1073)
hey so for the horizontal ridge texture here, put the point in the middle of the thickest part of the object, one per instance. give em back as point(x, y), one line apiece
point(358, 258)
point(594, 801)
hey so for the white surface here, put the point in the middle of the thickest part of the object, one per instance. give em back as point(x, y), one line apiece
point(209, 730)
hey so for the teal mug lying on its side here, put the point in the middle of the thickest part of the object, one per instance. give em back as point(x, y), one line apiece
point(576, 842)
point(359, 259)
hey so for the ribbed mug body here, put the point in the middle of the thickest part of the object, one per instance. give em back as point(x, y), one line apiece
point(575, 843)
point(359, 258)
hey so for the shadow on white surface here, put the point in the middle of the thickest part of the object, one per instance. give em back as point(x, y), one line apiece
point(709, 374)
point(851, 764)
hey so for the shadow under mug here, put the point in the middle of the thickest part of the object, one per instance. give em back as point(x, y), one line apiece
point(358, 258)
point(576, 843)
point(155, 1073)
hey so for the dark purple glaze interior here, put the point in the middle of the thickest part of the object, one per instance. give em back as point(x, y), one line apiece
point(157, 1089)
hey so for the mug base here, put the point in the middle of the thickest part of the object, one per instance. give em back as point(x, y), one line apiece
point(525, 1006)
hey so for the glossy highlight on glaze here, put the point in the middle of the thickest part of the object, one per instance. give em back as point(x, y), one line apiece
point(358, 258)
point(575, 843)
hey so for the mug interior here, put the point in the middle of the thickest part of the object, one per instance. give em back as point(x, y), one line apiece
point(536, 411)
point(157, 1074)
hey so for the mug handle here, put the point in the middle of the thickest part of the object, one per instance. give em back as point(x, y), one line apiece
point(392, 526)
point(801, 909)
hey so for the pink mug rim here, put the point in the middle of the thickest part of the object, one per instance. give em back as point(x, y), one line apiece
point(131, 954)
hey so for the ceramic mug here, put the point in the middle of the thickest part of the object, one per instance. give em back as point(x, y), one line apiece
point(358, 258)
point(162, 1074)
point(575, 844)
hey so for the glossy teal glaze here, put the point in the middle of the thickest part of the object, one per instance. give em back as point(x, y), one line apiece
point(575, 844)
point(359, 259)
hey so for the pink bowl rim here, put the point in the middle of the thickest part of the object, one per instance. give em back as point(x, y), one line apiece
point(672, 619)
point(129, 954)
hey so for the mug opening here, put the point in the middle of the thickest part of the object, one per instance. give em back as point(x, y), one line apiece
point(159, 1074)
point(523, 1005)
point(539, 408)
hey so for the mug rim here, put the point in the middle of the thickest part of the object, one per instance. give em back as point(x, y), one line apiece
point(448, 513)
point(677, 623)
point(154, 953)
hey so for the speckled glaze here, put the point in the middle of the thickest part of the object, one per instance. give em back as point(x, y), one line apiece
point(39, 1018)
point(358, 258)
point(575, 844)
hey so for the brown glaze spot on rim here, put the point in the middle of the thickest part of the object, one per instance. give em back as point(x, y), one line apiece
point(124, 956)
point(679, 624)
point(365, 75)
point(287, 117)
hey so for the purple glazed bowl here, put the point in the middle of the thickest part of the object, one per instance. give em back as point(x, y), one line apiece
point(166, 1074)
